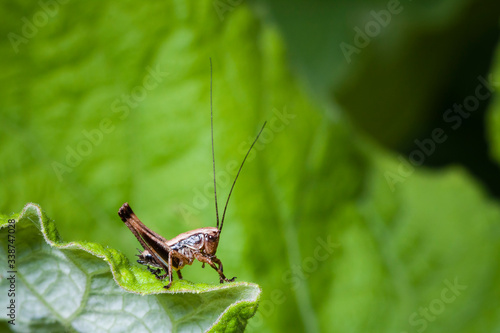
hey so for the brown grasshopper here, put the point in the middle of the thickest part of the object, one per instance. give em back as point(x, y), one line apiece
point(200, 244)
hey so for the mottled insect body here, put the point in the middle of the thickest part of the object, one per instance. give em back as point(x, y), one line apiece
point(172, 255)
point(200, 244)
point(203, 240)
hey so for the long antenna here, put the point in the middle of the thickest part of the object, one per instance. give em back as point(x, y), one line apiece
point(213, 152)
point(241, 166)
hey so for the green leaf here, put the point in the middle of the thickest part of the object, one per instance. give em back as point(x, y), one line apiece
point(86, 287)
point(335, 243)
point(422, 252)
point(387, 63)
point(494, 110)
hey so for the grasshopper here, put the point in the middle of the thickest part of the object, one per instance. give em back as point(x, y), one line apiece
point(200, 244)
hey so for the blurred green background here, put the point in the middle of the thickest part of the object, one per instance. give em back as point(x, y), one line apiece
point(370, 203)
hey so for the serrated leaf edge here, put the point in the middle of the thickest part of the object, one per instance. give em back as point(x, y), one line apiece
point(73, 245)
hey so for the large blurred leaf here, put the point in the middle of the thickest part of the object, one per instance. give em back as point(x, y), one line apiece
point(69, 286)
point(313, 219)
point(423, 253)
point(392, 65)
point(494, 113)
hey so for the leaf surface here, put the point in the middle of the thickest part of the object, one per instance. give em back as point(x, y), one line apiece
point(86, 287)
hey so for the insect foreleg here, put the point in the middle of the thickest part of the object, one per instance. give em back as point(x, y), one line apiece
point(200, 257)
point(218, 262)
